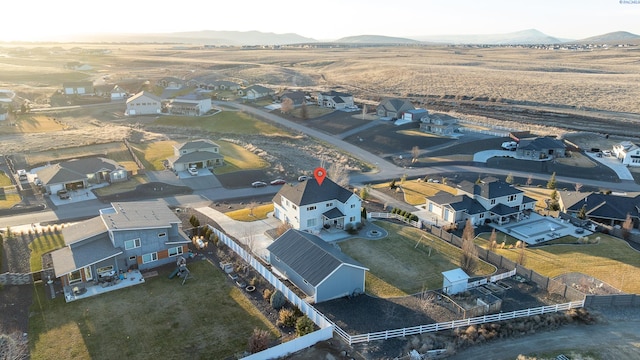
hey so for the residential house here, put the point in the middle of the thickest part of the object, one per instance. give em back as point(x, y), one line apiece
point(607, 209)
point(191, 105)
point(540, 148)
point(393, 108)
point(297, 97)
point(415, 115)
point(255, 92)
point(143, 103)
point(335, 100)
point(78, 88)
point(80, 174)
point(118, 93)
point(488, 200)
point(199, 153)
point(317, 268)
point(439, 124)
point(222, 85)
point(309, 206)
point(171, 83)
point(126, 235)
point(628, 153)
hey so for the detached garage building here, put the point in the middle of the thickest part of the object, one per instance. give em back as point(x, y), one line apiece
point(317, 268)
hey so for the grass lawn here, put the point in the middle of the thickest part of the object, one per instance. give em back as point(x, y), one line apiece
point(225, 122)
point(611, 260)
point(153, 154)
point(259, 213)
point(9, 200)
point(205, 318)
point(237, 158)
point(4, 179)
point(41, 245)
point(415, 192)
point(120, 187)
point(406, 262)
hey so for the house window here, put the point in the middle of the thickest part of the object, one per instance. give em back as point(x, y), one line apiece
point(329, 204)
point(353, 206)
point(481, 216)
point(352, 219)
point(294, 207)
point(133, 258)
point(162, 234)
point(310, 208)
point(104, 269)
point(175, 251)
point(132, 244)
point(75, 276)
point(150, 257)
point(311, 222)
point(512, 198)
point(493, 201)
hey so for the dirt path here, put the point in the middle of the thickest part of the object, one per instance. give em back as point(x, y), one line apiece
point(617, 338)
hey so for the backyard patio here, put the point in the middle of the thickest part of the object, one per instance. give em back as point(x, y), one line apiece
point(87, 289)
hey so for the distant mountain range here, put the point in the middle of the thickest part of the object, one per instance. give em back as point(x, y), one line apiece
point(257, 38)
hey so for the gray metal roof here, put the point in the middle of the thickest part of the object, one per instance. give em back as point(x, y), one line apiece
point(458, 202)
point(144, 94)
point(69, 258)
point(137, 215)
point(309, 256)
point(310, 192)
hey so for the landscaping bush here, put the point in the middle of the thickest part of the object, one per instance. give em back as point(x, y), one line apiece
point(277, 300)
point(258, 341)
point(287, 317)
point(304, 326)
point(266, 294)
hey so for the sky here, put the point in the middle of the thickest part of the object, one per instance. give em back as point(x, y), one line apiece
point(44, 20)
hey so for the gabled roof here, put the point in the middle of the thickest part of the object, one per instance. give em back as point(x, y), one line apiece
point(489, 188)
point(75, 170)
point(395, 104)
point(258, 89)
point(296, 96)
point(309, 256)
point(309, 192)
point(334, 213)
point(196, 156)
point(458, 202)
point(540, 143)
point(197, 145)
point(137, 215)
point(333, 93)
point(69, 259)
point(504, 210)
point(608, 206)
point(144, 94)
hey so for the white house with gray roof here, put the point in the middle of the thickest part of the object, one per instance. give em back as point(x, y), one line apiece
point(335, 100)
point(489, 200)
point(80, 173)
point(201, 153)
point(317, 268)
point(254, 92)
point(310, 207)
point(128, 235)
point(143, 103)
point(628, 153)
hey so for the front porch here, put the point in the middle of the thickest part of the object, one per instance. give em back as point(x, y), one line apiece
point(83, 290)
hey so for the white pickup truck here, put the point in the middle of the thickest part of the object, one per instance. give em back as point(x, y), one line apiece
point(509, 145)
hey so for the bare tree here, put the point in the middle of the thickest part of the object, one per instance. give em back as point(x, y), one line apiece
point(252, 206)
point(364, 110)
point(415, 153)
point(469, 256)
point(249, 237)
point(286, 106)
point(627, 225)
point(522, 255)
point(338, 174)
point(493, 243)
point(530, 180)
point(13, 346)
point(578, 186)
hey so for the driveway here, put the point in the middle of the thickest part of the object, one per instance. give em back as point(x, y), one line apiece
point(614, 164)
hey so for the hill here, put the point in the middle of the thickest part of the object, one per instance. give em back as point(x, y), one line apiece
point(617, 37)
point(375, 39)
point(524, 37)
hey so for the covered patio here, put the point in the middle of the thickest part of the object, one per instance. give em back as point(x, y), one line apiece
point(333, 218)
point(83, 290)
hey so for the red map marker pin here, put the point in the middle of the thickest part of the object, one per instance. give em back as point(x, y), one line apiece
point(319, 173)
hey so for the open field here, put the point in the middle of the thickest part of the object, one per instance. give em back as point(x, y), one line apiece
point(153, 154)
point(206, 318)
point(611, 260)
point(226, 122)
point(406, 262)
point(237, 158)
point(4, 179)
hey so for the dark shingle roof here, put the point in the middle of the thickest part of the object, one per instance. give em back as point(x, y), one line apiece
point(504, 210)
point(489, 189)
point(540, 143)
point(608, 206)
point(458, 202)
point(309, 192)
point(334, 213)
point(197, 144)
point(309, 256)
point(71, 258)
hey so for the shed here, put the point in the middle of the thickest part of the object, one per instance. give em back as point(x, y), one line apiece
point(455, 281)
point(317, 268)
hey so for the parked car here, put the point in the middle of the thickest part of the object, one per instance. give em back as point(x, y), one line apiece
point(257, 184)
point(303, 178)
point(606, 153)
point(278, 182)
point(509, 145)
point(193, 171)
